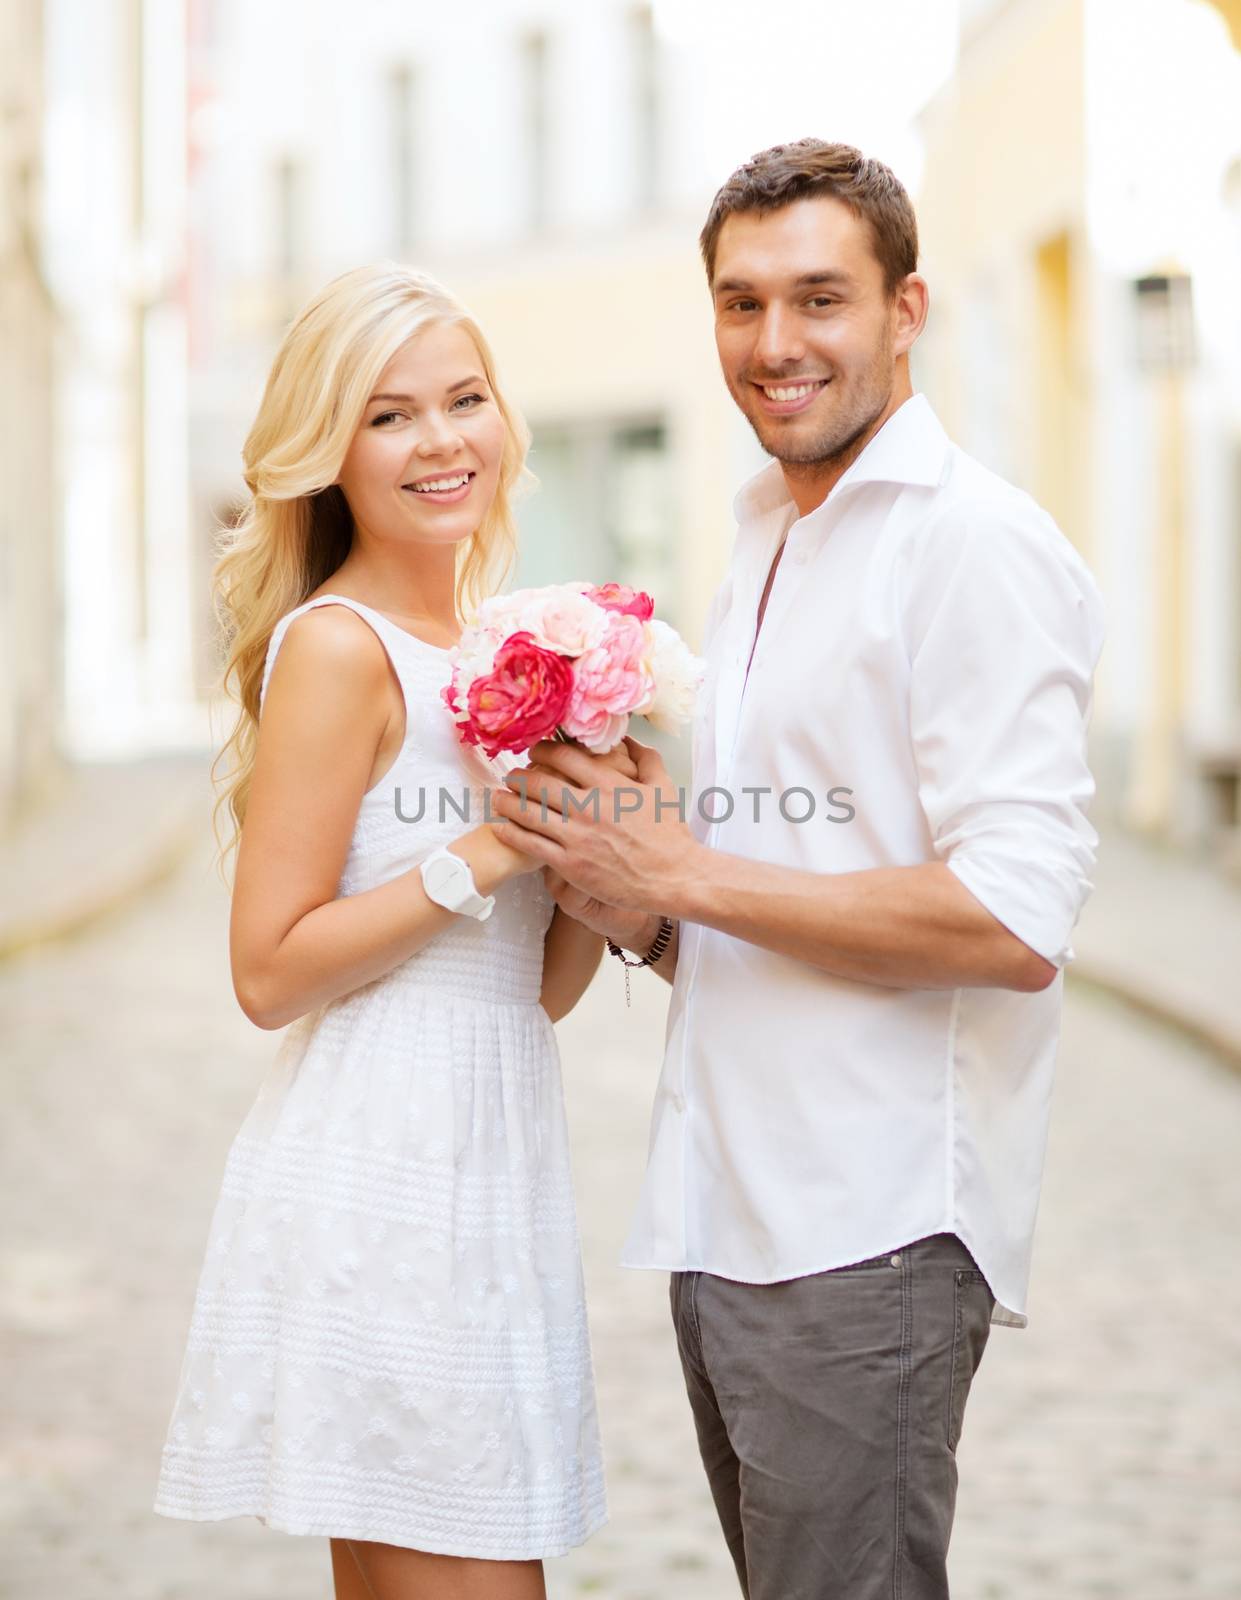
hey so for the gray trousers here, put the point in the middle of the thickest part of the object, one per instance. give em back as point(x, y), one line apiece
point(828, 1411)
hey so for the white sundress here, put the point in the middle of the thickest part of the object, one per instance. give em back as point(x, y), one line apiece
point(389, 1336)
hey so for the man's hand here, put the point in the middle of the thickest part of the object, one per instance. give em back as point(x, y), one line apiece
point(618, 842)
point(633, 930)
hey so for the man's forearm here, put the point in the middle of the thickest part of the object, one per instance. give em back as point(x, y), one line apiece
point(904, 927)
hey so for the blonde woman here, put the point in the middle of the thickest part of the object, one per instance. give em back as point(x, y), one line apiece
point(388, 1345)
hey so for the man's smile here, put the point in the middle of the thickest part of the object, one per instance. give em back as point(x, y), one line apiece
point(786, 399)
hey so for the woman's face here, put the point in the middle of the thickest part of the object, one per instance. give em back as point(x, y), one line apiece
point(425, 461)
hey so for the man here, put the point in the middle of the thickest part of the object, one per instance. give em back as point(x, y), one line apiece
point(868, 938)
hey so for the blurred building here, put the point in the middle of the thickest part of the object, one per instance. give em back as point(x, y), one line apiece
point(31, 624)
point(95, 604)
point(546, 167)
point(179, 175)
point(1081, 220)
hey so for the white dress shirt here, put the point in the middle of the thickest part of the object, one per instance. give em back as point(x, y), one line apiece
point(928, 645)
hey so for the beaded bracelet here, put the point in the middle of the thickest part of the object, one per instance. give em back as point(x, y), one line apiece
point(662, 940)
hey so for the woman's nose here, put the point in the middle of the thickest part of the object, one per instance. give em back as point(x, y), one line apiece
point(437, 437)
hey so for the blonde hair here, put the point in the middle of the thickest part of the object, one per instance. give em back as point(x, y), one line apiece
point(296, 528)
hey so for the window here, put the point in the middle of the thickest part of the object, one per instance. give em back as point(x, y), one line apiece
point(403, 125)
point(534, 87)
point(603, 510)
point(289, 205)
point(645, 100)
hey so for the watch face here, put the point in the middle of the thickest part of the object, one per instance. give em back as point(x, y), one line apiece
point(444, 877)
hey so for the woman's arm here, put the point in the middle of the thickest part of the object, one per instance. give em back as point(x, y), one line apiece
point(293, 944)
point(571, 955)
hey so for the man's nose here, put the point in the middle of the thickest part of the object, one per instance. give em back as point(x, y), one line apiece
point(778, 340)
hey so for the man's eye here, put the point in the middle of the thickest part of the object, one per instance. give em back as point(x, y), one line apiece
point(822, 300)
point(743, 305)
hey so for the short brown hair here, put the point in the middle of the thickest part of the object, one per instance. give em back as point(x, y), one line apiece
point(808, 168)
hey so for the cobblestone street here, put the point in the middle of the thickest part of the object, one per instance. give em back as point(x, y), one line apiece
point(1102, 1447)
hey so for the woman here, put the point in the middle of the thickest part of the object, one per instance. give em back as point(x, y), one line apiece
point(389, 1341)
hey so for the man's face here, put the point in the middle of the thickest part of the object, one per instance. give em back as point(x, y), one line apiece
point(806, 331)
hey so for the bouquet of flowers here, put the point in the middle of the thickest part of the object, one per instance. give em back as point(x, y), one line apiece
point(569, 660)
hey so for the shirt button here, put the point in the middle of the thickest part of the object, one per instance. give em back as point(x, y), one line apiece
point(896, 1261)
point(678, 1101)
point(800, 557)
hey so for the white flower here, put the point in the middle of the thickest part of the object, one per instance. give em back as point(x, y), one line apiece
point(564, 620)
point(678, 675)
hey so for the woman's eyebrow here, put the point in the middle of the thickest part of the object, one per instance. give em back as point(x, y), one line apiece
point(408, 399)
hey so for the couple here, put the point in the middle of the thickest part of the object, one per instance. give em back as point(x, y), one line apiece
point(389, 1345)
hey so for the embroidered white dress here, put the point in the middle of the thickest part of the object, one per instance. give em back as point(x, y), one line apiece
point(389, 1337)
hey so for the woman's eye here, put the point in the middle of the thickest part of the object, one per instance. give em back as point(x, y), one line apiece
point(385, 416)
point(471, 400)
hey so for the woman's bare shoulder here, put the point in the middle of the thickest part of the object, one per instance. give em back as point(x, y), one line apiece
point(332, 653)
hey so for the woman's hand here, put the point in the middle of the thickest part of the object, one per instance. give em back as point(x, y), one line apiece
point(491, 860)
point(621, 761)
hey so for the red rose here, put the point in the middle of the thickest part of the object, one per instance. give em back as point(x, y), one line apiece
point(620, 597)
point(521, 700)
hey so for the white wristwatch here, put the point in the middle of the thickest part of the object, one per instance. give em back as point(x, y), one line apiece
point(449, 881)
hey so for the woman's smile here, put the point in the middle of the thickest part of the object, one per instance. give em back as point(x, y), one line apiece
point(445, 488)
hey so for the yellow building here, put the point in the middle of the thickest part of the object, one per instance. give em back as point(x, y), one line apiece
point(1083, 253)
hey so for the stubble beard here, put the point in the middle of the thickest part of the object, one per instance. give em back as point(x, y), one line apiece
point(843, 437)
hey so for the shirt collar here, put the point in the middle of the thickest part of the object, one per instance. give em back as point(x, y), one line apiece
point(911, 448)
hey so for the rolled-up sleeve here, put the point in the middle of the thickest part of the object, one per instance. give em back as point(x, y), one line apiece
point(1005, 627)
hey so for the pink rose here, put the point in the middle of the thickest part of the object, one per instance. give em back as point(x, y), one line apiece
point(609, 682)
point(621, 598)
point(520, 701)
